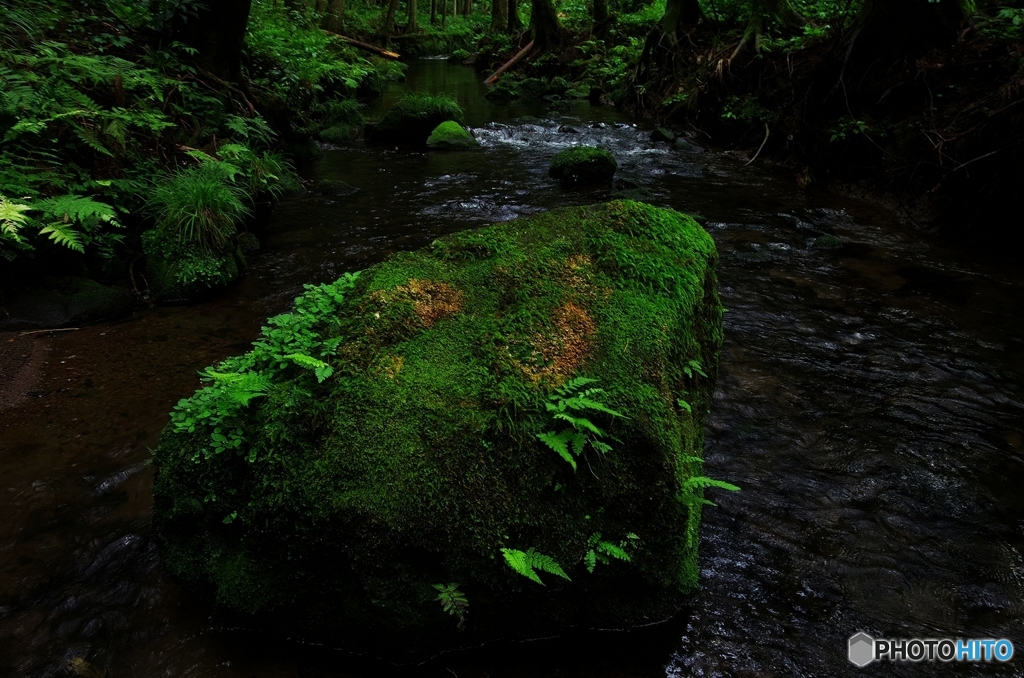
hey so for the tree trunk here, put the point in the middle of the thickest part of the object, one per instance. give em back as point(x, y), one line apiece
point(680, 13)
point(544, 24)
point(217, 34)
point(433, 12)
point(467, 7)
point(413, 26)
point(601, 18)
point(515, 22)
point(334, 20)
point(389, 19)
point(499, 15)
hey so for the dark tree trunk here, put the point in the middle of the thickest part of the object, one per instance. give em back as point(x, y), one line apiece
point(499, 15)
point(601, 18)
point(544, 24)
point(515, 22)
point(680, 13)
point(413, 26)
point(467, 7)
point(433, 12)
point(218, 34)
point(335, 17)
point(389, 19)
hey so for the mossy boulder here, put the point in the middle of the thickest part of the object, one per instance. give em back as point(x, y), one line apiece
point(383, 443)
point(414, 117)
point(450, 135)
point(180, 271)
point(582, 165)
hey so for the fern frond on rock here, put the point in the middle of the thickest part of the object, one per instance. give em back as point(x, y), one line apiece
point(528, 562)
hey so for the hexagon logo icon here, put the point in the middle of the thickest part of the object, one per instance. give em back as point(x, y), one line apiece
point(862, 649)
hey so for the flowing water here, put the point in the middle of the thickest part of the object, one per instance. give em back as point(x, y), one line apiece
point(870, 404)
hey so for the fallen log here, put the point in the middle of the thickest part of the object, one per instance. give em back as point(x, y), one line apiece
point(380, 51)
point(509, 64)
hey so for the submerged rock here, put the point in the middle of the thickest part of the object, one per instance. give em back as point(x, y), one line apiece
point(662, 134)
point(493, 434)
point(450, 135)
point(583, 165)
point(412, 119)
point(64, 301)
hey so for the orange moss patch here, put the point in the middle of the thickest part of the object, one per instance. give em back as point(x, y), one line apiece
point(430, 300)
point(558, 355)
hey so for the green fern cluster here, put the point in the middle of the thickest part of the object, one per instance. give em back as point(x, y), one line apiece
point(567, 404)
point(528, 562)
point(70, 221)
point(290, 340)
point(602, 551)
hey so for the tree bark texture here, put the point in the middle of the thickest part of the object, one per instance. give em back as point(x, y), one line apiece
point(334, 20)
point(413, 26)
point(680, 13)
point(515, 22)
point(389, 19)
point(601, 18)
point(547, 30)
point(499, 15)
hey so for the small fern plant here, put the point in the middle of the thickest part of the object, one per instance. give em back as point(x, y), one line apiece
point(568, 404)
point(453, 601)
point(602, 551)
point(693, 488)
point(528, 562)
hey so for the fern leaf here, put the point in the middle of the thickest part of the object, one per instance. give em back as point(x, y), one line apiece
point(559, 442)
point(79, 209)
point(703, 482)
point(12, 217)
point(590, 560)
point(520, 562)
point(545, 563)
point(613, 550)
point(574, 384)
point(685, 405)
point(64, 234)
point(90, 139)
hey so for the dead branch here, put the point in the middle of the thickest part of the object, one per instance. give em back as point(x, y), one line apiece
point(509, 64)
point(379, 51)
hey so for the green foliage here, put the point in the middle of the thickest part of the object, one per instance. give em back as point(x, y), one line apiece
point(602, 551)
point(528, 562)
point(572, 398)
point(289, 339)
point(453, 601)
point(200, 205)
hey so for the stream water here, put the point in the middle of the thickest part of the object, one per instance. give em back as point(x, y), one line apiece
point(870, 404)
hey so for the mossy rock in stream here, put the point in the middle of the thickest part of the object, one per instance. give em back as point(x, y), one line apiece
point(450, 135)
point(582, 165)
point(380, 443)
point(414, 117)
point(181, 272)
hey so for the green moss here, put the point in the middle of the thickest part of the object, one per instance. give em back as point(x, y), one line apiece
point(180, 271)
point(451, 135)
point(583, 165)
point(416, 459)
point(414, 116)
